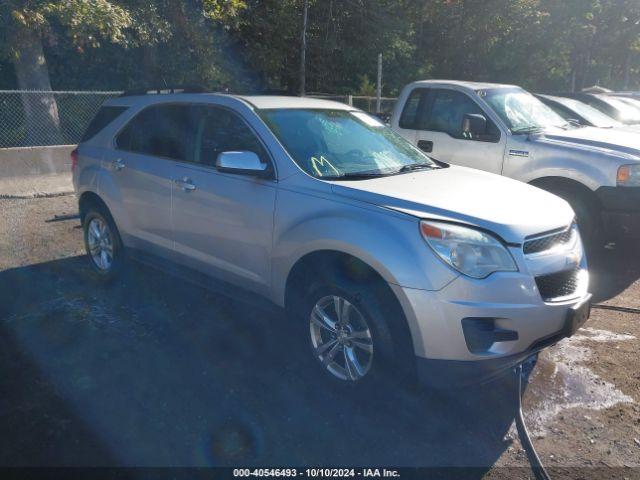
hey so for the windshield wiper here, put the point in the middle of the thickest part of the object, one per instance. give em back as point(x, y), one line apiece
point(364, 175)
point(528, 129)
point(417, 166)
point(353, 176)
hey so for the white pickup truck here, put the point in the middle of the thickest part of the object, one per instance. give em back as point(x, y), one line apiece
point(504, 129)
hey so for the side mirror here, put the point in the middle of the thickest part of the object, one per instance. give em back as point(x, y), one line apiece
point(241, 163)
point(474, 125)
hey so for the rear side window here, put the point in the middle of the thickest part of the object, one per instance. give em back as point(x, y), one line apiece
point(103, 118)
point(161, 131)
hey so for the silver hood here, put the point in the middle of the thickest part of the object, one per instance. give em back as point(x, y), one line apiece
point(511, 209)
point(610, 139)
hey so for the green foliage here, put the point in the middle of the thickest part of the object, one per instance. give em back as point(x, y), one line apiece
point(367, 87)
point(249, 44)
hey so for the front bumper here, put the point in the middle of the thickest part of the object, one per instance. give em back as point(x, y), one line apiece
point(456, 373)
point(620, 211)
point(520, 320)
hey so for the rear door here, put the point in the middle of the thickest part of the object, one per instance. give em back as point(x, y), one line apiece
point(438, 125)
point(223, 222)
point(141, 166)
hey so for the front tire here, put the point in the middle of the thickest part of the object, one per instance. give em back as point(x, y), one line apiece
point(354, 333)
point(587, 215)
point(102, 243)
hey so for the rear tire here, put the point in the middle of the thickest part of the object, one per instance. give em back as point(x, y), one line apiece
point(103, 244)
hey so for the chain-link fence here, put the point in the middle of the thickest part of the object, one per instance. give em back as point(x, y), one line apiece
point(368, 104)
point(32, 118)
point(39, 118)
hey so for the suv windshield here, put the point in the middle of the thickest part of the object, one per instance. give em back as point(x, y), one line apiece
point(521, 111)
point(342, 144)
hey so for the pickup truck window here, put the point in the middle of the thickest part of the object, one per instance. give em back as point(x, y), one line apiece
point(447, 113)
point(339, 144)
point(443, 110)
point(521, 111)
point(409, 116)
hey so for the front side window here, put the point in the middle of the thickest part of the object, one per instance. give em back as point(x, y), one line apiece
point(339, 143)
point(220, 130)
point(521, 111)
point(161, 131)
point(447, 114)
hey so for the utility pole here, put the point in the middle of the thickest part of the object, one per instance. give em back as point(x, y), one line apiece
point(379, 83)
point(303, 49)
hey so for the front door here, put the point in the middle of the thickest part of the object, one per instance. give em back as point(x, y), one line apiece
point(223, 222)
point(439, 131)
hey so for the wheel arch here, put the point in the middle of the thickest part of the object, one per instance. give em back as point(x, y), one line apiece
point(89, 199)
point(555, 183)
point(316, 264)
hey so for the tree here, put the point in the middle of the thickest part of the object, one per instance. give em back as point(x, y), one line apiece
point(26, 24)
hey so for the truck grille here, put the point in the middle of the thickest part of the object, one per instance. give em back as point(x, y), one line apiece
point(548, 242)
point(558, 285)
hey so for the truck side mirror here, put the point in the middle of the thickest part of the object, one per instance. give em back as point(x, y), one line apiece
point(474, 125)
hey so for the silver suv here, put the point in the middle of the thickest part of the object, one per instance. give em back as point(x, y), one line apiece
point(393, 262)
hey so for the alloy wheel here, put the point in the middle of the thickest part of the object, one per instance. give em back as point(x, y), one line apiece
point(100, 244)
point(341, 338)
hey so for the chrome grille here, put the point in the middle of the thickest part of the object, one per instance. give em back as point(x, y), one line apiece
point(547, 242)
point(559, 284)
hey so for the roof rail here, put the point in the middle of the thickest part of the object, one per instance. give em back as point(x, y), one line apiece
point(165, 90)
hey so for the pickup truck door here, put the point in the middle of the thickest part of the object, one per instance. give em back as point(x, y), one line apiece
point(438, 127)
point(223, 222)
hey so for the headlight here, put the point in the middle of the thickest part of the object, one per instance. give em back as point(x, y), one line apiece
point(629, 175)
point(470, 251)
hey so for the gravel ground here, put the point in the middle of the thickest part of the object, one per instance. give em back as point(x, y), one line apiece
point(155, 372)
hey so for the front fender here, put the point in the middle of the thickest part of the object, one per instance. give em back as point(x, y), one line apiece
point(388, 242)
point(550, 158)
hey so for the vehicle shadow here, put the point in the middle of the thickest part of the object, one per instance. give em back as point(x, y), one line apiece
point(153, 371)
point(612, 270)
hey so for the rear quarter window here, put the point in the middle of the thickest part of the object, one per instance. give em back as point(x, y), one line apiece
point(103, 118)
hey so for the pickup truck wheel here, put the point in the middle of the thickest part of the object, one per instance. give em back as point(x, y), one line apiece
point(587, 215)
point(102, 243)
point(351, 338)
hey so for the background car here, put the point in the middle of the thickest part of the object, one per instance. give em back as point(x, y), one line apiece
point(610, 105)
point(585, 114)
point(504, 129)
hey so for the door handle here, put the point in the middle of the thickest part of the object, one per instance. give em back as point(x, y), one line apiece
point(118, 164)
point(186, 184)
point(425, 145)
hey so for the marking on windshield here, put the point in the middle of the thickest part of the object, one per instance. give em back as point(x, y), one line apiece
point(322, 162)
